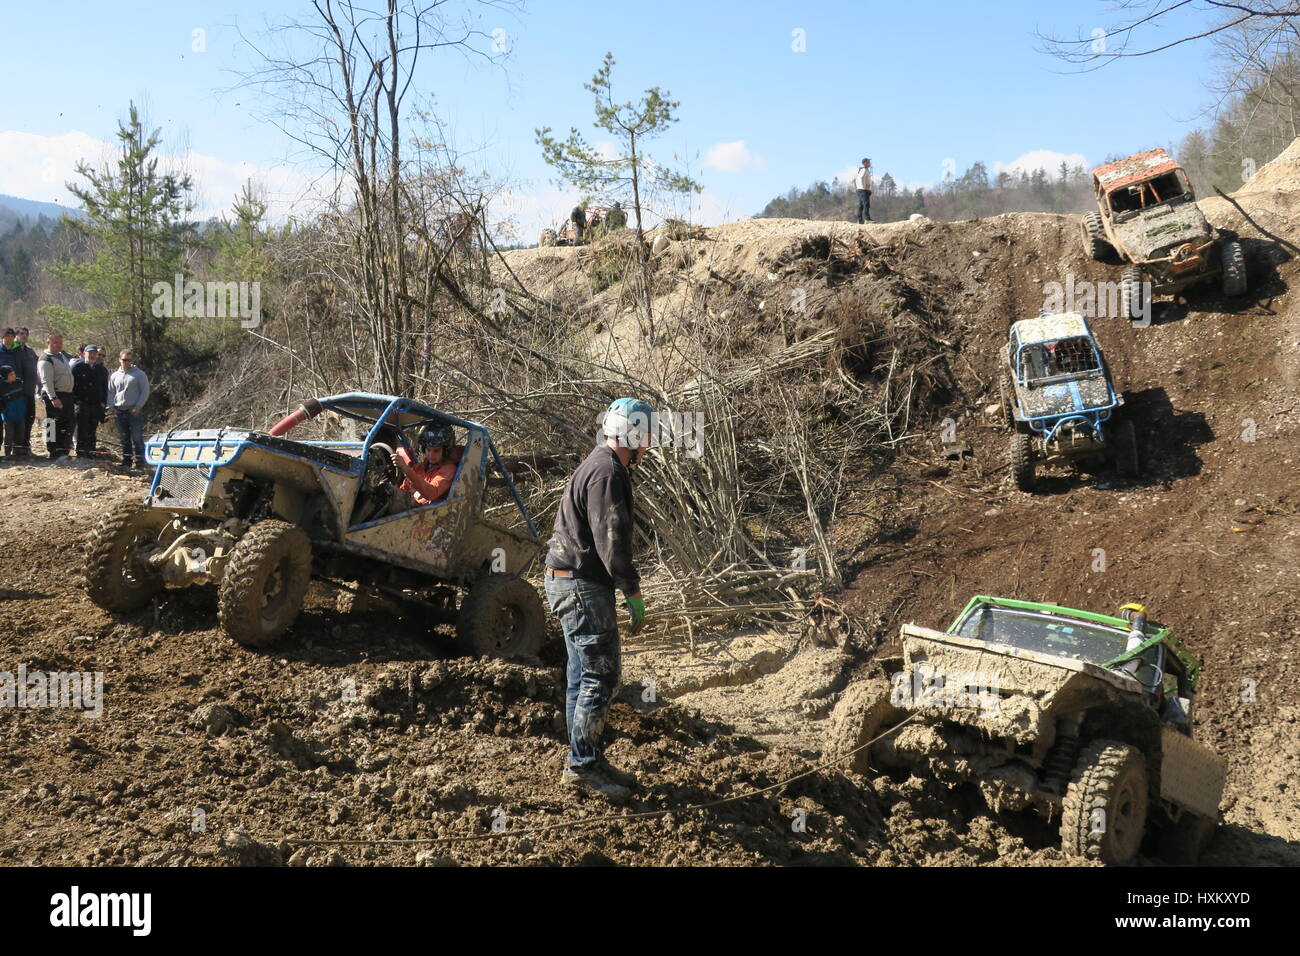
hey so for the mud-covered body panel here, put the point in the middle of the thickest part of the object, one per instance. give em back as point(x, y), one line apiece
point(1065, 395)
point(1191, 775)
point(1026, 690)
point(993, 713)
point(1155, 233)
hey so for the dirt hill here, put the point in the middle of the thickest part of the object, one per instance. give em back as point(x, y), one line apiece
point(362, 729)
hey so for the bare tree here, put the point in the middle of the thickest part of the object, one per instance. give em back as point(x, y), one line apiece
point(351, 102)
point(1139, 20)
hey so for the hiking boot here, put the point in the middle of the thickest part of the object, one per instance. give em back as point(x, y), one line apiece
point(594, 778)
point(621, 777)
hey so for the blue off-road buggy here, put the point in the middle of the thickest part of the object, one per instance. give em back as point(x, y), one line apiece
point(1058, 401)
point(260, 515)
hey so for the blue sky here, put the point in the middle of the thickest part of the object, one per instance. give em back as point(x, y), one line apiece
point(910, 84)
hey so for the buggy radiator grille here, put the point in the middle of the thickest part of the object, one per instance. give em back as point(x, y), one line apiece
point(182, 486)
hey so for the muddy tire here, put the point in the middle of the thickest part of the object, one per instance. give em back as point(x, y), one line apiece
point(502, 616)
point(264, 583)
point(116, 579)
point(1020, 460)
point(863, 711)
point(1132, 302)
point(1104, 814)
point(547, 238)
point(1234, 269)
point(1094, 237)
point(1125, 450)
point(1182, 843)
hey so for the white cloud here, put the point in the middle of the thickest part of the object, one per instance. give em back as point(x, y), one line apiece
point(39, 167)
point(1048, 159)
point(734, 157)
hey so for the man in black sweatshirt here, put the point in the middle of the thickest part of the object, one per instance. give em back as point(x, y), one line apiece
point(589, 556)
point(90, 386)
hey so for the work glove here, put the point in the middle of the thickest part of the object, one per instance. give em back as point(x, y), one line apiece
point(636, 608)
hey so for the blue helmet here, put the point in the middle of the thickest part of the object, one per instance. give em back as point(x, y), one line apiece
point(628, 420)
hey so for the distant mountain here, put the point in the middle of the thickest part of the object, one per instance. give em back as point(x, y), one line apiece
point(28, 211)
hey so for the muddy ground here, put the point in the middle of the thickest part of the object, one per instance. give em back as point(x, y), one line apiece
point(371, 728)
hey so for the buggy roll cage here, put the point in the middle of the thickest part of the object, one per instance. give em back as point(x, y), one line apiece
point(1050, 425)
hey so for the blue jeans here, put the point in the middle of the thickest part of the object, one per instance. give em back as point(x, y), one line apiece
point(864, 205)
point(130, 433)
point(586, 613)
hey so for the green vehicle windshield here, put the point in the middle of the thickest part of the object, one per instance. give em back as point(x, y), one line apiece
point(1046, 634)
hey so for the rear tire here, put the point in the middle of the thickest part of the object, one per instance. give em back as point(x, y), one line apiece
point(1094, 237)
point(1020, 459)
point(1234, 269)
point(502, 616)
point(1104, 813)
point(116, 579)
point(1132, 300)
point(264, 583)
point(547, 238)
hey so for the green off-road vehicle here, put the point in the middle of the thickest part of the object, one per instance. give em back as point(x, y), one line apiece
point(260, 515)
point(1047, 708)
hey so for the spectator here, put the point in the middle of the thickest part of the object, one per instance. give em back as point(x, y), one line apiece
point(26, 367)
point(863, 181)
point(128, 390)
point(55, 369)
point(617, 218)
point(579, 219)
point(90, 386)
point(11, 355)
point(13, 406)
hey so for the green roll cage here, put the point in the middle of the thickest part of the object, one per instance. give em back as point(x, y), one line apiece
point(1156, 633)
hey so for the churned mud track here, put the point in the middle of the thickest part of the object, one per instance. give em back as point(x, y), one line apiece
point(349, 729)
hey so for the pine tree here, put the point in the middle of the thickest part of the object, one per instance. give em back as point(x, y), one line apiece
point(135, 230)
point(630, 169)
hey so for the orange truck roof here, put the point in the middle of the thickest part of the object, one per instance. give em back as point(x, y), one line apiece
point(1134, 169)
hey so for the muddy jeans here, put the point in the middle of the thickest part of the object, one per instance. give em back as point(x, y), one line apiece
point(586, 613)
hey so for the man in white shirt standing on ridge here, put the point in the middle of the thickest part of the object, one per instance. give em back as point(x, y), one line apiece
point(863, 182)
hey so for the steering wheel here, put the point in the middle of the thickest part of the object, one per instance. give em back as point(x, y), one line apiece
point(379, 467)
point(377, 486)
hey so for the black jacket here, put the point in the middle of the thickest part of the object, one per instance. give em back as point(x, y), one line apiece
point(593, 528)
point(90, 382)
